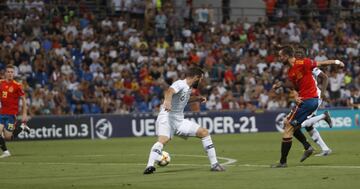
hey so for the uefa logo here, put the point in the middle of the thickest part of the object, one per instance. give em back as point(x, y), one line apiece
point(279, 122)
point(103, 129)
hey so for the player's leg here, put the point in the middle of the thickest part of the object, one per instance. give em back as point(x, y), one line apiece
point(298, 134)
point(294, 121)
point(6, 129)
point(156, 150)
point(209, 147)
point(300, 137)
point(20, 128)
point(311, 121)
point(5, 135)
point(2, 140)
point(163, 130)
point(307, 108)
point(315, 135)
point(190, 128)
point(285, 145)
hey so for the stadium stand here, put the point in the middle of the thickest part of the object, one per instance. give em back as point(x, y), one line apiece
point(119, 60)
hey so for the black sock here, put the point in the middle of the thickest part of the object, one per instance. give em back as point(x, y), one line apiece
point(309, 129)
point(285, 148)
point(301, 137)
point(2, 144)
point(16, 132)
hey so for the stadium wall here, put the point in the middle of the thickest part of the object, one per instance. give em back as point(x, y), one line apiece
point(138, 125)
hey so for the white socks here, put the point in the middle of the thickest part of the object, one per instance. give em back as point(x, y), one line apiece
point(311, 121)
point(315, 135)
point(210, 149)
point(155, 153)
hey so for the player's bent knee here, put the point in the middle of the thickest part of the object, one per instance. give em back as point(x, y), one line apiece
point(288, 130)
point(163, 139)
point(8, 137)
point(202, 132)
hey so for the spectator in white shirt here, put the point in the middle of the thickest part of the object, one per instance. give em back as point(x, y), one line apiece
point(25, 69)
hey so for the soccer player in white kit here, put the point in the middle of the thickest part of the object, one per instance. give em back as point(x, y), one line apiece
point(171, 120)
point(308, 124)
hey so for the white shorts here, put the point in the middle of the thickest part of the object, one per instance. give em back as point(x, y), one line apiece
point(168, 125)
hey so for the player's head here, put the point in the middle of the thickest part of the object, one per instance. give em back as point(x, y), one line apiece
point(195, 74)
point(300, 51)
point(9, 72)
point(286, 53)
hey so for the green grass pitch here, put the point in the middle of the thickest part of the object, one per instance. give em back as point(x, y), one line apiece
point(119, 163)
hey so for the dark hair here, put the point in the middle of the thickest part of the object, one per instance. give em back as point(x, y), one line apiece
point(194, 71)
point(300, 51)
point(287, 50)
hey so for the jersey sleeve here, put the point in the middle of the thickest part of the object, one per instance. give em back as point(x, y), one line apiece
point(20, 90)
point(310, 64)
point(316, 72)
point(178, 86)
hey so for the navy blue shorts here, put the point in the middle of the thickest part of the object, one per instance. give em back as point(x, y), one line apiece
point(301, 112)
point(8, 121)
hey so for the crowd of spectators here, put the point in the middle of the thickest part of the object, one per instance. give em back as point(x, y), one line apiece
point(72, 61)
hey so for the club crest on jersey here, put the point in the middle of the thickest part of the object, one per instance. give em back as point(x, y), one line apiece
point(11, 89)
point(299, 75)
point(182, 98)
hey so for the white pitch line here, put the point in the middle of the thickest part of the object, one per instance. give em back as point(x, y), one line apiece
point(308, 166)
point(180, 164)
point(331, 166)
point(229, 161)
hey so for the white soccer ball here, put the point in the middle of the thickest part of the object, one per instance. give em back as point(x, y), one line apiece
point(165, 159)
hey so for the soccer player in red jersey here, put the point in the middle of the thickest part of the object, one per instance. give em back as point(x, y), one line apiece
point(10, 92)
point(300, 76)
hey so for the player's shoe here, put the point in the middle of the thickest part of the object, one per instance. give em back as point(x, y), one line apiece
point(25, 128)
point(149, 170)
point(217, 168)
point(5, 154)
point(328, 118)
point(307, 153)
point(324, 153)
point(279, 165)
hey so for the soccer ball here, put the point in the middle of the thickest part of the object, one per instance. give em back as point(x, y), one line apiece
point(165, 159)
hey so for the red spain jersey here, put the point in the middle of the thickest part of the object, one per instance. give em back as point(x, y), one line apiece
point(10, 93)
point(300, 74)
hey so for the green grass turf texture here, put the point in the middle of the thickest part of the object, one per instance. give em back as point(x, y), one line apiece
point(119, 163)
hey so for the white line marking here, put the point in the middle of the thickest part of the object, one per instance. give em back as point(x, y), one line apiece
point(331, 166)
point(308, 166)
point(175, 164)
point(228, 160)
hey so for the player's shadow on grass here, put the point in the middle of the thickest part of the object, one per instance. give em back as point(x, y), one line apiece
point(313, 164)
point(176, 170)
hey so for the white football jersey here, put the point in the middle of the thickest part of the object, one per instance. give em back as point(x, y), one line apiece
point(180, 97)
point(316, 72)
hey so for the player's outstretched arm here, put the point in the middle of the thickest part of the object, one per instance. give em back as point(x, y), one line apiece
point(200, 99)
point(24, 109)
point(330, 62)
point(324, 83)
